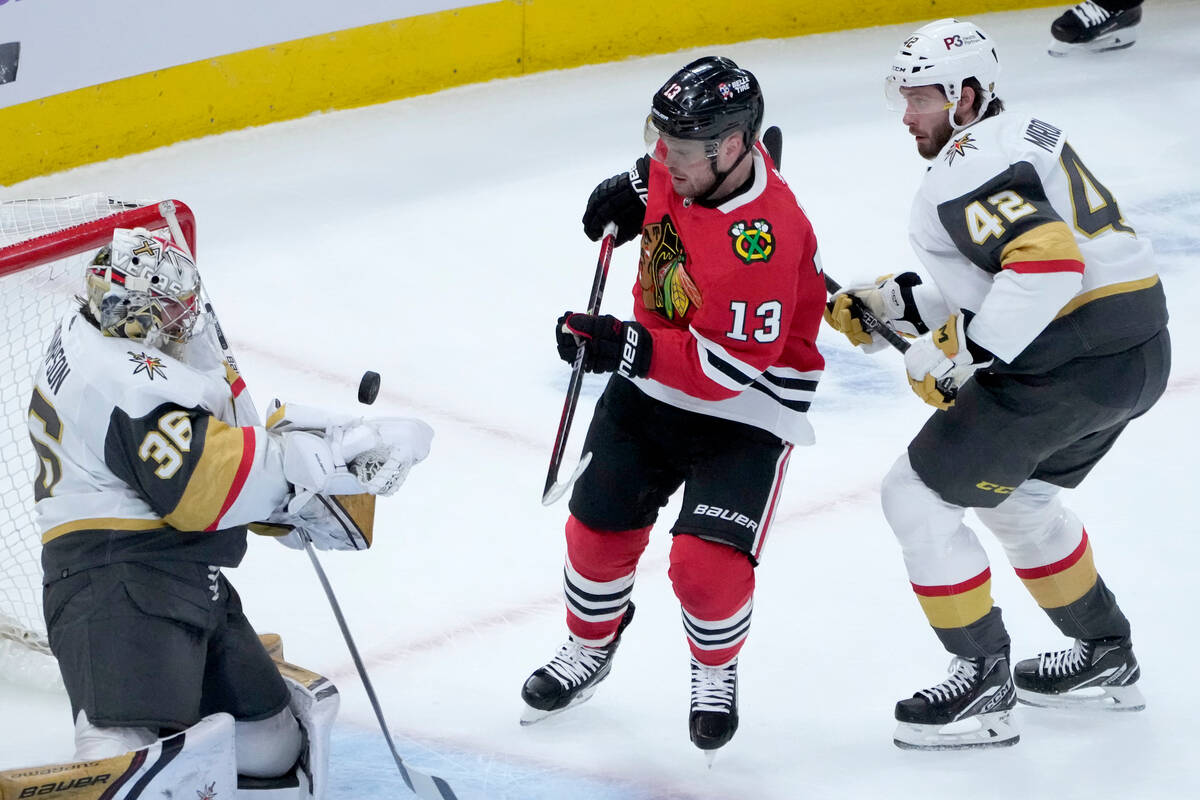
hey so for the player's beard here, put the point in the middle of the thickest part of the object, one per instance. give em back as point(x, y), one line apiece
point(930, 147)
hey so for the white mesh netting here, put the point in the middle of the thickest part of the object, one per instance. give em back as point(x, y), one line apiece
point(36, 294)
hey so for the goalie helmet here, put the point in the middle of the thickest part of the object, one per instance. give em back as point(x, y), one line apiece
point(706, 101)
point(944, 53)
point(143, 286)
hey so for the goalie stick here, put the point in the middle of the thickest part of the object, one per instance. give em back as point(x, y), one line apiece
point(772, 140)
point(423, 785)
point(554, 490)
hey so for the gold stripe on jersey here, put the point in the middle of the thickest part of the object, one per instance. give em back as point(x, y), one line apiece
point(221, 457)
point(1052, 241)
point(957, 610)
point(1107, 291)
point(104, 524)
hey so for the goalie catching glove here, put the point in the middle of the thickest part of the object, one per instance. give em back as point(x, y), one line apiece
point(939, 365)
point(892, 300)
point(329, 458)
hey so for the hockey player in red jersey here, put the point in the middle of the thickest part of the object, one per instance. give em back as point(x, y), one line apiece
point(1049, 336)
point(713, 378)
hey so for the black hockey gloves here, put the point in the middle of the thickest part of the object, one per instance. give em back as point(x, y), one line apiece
point(610, 345)
point(620, 199)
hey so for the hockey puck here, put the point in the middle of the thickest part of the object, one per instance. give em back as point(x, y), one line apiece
point(368, 387)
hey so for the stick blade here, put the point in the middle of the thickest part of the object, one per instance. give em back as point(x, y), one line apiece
point(554, 491)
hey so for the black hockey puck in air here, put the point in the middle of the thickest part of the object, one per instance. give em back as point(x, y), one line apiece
point(368, 387)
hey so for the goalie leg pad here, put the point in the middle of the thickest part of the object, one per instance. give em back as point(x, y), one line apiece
point(196, 763)
point(267, 748)
point(314, 701)
point(105, 742)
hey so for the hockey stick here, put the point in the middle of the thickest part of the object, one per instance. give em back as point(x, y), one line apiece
point(772, 140)
point(554, 490)
point(424, 786)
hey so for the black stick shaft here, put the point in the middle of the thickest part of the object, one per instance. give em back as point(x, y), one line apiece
point(576, 383)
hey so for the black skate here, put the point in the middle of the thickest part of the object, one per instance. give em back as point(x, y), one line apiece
point(969, 709)
point(1091, 28)
point(570, 678)
point(714, 716)
point(1094, 674)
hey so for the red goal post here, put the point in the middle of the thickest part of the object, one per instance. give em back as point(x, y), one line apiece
point(44, 245)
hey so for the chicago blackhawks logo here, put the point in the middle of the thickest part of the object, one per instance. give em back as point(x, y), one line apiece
point(667, 288)
point(753, 242)
point(208, 792)
point(151, 365)
point(960, 146)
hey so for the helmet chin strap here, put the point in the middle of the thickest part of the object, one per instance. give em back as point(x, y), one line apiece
point(720, 176)
point(950, 112)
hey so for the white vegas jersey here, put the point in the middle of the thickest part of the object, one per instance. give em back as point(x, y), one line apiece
point(1017, 232)
point(145, 455)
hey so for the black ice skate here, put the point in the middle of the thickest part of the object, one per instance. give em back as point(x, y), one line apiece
point(1091, 28)
point(1094, 674)
point(570, 678)
point(714, 716)
point(969, 709)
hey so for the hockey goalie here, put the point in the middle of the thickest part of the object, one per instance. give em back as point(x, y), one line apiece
point(153, 463)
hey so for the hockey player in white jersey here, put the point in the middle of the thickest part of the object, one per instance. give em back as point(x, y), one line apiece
point(1048, 336)
point(152, 465)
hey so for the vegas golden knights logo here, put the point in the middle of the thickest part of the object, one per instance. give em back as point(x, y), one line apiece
point(662, 272)
point(753, 242)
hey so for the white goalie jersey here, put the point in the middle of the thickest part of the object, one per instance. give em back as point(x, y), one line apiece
point(144, 455)
point(1020, 235)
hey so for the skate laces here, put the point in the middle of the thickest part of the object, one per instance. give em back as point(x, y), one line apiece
point(575, 663)
point(1091, 14)
point(963, 672)
point(713, 688)
point(1065, 662)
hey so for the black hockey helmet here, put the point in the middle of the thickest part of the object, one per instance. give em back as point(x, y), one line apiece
point(707, 100)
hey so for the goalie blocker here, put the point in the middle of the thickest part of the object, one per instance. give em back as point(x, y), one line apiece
point(198, 763)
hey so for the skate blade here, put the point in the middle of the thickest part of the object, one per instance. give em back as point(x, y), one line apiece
point(1095, 698)
point(531, 715)
point(985, 730)
point(1114, 41)
point(710, 757)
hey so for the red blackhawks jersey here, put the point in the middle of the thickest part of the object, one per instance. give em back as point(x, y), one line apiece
point(732, 297)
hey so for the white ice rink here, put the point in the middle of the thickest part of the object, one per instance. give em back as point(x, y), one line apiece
point(436, 239)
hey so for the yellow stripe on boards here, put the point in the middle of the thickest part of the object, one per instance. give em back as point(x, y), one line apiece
point(408, 57)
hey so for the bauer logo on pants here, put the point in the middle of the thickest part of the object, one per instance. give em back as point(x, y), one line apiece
point(705, 510)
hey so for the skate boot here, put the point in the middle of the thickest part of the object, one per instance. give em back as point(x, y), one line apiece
point(714, 716)
point(570, 678)
point(1091, 28)
point(1094, 674)
point(969, 709)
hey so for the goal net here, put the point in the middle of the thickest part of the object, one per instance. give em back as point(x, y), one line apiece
point(44, 245)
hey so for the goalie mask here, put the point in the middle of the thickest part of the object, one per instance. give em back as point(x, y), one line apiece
point(143, 286)
point(944, 53)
